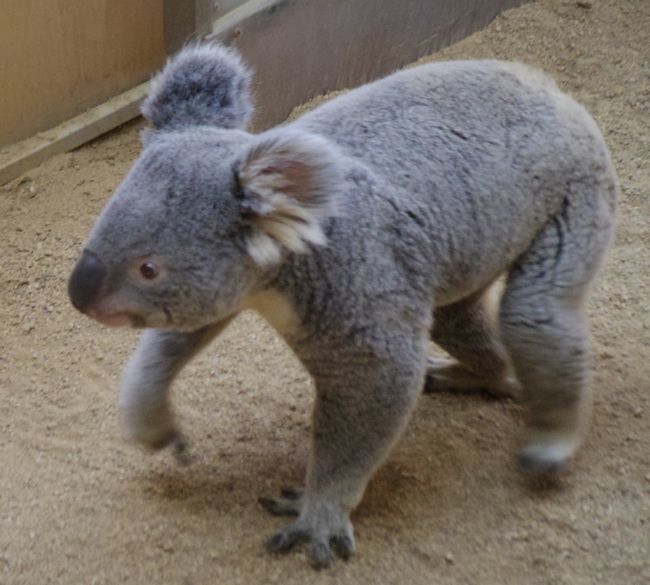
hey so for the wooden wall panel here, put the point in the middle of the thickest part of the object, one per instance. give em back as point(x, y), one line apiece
point(60, 57)
point(304, 48)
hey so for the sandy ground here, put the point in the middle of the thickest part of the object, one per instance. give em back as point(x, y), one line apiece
point(79, 505)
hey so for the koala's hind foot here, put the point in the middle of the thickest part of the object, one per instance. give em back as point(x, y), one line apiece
point(326, 528)
point(289, 503)
point(468, 330)
point(544, 328)
point(449, 376)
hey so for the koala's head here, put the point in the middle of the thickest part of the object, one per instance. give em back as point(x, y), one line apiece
point(208, 210)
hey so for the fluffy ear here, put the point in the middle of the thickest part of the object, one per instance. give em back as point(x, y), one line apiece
point(290, 183)
point(203, 84)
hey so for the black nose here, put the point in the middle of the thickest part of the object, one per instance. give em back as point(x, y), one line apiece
point(86, 280)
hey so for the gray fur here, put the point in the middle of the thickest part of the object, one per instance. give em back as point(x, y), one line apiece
point(432, 183)
point(205, 84)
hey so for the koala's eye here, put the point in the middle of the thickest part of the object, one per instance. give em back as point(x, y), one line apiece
point(148, 270)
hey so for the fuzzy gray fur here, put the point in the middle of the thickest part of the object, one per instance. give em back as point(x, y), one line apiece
point(205, 84)
point(430, 185)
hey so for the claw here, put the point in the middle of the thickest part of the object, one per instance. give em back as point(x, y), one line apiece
point(279, 506)
point(292, 493)
point(343, 546)
point(320, 554)
point(180, 449)
point(285, 540)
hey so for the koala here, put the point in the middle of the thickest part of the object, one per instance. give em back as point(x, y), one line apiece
point(467, 203)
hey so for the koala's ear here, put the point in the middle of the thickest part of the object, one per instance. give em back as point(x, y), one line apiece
point(204, 84)
point(290, 182)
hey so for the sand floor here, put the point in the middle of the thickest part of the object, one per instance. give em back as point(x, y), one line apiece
point(80, 505)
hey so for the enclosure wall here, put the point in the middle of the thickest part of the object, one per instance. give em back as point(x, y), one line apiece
point(59, 57)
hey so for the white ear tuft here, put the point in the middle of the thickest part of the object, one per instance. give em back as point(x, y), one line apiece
point(291, 182)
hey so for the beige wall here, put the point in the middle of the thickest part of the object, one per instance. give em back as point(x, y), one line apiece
point(59, 57)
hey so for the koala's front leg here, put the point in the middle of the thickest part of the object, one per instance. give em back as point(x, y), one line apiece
point(145, 412)
point(363, 403)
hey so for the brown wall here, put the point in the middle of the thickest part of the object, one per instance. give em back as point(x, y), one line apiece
point(59, 57)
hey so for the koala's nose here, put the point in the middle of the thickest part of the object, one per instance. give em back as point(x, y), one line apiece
point(86, 281)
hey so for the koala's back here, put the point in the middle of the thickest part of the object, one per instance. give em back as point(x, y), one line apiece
point(474, 158)
point(433, 114)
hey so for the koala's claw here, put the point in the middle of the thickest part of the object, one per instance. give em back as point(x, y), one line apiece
point(324, 541)
point(343, 545)
point(292, 493)
point(285, 540)
point(181, 450)
point(179, 445)
point(289, 504)
point(279, 506)
point(320, 554)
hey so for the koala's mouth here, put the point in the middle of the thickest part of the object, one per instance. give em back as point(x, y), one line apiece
point(122, 319)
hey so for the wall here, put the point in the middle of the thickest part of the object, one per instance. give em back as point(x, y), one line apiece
point(304, 48)
point(59, 57)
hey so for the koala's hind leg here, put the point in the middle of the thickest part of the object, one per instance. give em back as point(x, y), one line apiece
point(543, 326)
point(364, 399)
point(468, 330)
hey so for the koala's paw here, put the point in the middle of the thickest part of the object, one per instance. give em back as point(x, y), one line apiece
point(155, 431)
point(288, 504)
point(548, 454)
point(181, 450)
point(327, 531)
point(449, 376)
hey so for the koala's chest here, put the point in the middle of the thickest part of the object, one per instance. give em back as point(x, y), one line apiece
point(277, 309)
